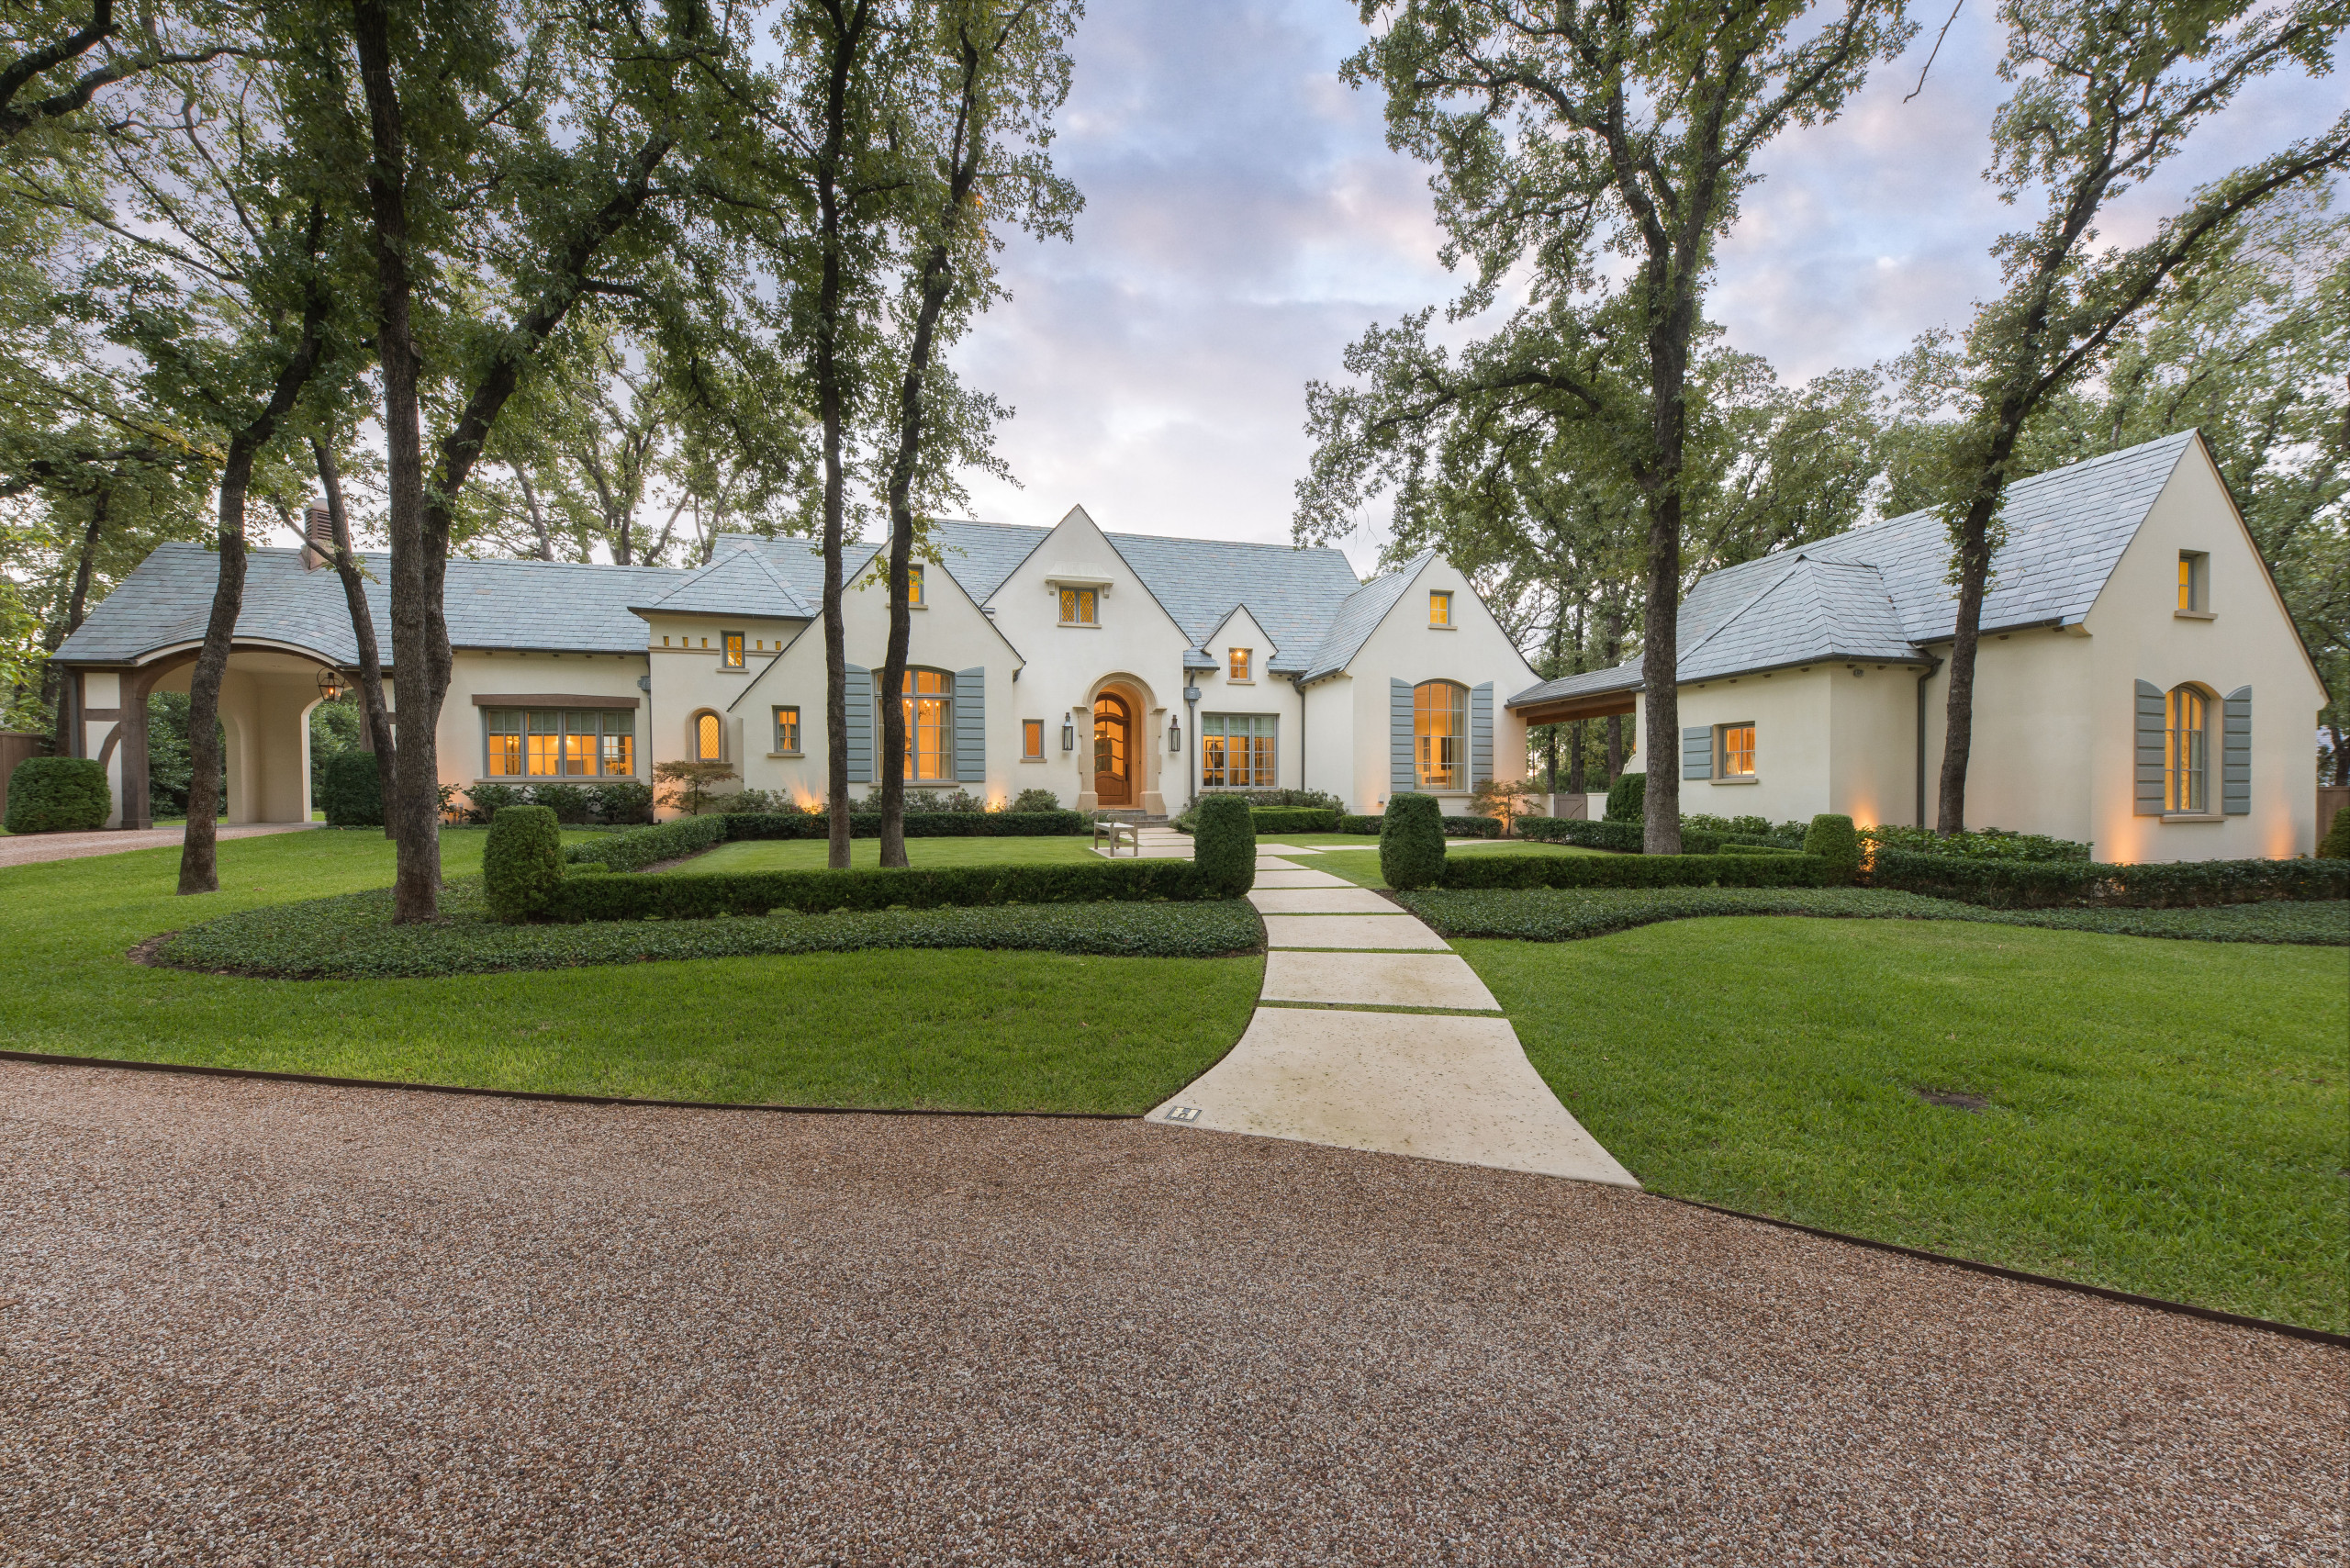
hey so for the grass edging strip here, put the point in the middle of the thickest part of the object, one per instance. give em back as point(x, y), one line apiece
point(43, 1058)
point(2021, 1276)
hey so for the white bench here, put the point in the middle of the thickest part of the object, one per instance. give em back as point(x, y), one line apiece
point(1128, 834)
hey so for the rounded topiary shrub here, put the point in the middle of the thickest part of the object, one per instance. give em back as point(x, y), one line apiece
point(1223, 843)
point(521, 863)
point(2334, 846)
point(1628, 798)
point(351, 791)
point(1411, 842)
point(59, 794)
point(1831, 838)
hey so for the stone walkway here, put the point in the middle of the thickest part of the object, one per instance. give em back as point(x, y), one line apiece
point(1371, 1033)
point(25, 849)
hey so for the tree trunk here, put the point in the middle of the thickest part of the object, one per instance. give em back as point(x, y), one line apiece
point(538, 515)
point(1974, 565)
point(1575, 759)
point(412, 811)
point(831, 411)
point(2341, 757)
point(77, 604)
point(362, 629)
point(1615, 625)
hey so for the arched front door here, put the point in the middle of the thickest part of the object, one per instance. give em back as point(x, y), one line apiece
point(1113, 750)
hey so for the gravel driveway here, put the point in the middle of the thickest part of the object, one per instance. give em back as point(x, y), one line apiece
point(264, 1323)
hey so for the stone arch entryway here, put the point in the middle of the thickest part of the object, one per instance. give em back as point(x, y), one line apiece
point(1118, 767)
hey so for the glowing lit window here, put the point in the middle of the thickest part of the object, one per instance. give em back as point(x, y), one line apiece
point(787, 728)
point(1032, 739)
point(1440, 734)
point(709, 738)
point(929, 699)
point(1440, 609)
point(1239, 751)
point(2194, 580)
point(1241, 660)
point(1079, 606)
point(1738, 751)
point(731, 644)
point(544, 743)
point(2185, 751)
point(913, 585)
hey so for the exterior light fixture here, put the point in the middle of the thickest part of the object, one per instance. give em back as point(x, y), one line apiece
point(1069, 735)
point(1174, 735)
point(330, 685)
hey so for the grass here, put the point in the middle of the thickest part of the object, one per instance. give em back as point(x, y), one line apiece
point(2162, 1117)
point(946, 1028)
point(808, 853)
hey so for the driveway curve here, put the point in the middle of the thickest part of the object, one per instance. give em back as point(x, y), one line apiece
point(251, 1321)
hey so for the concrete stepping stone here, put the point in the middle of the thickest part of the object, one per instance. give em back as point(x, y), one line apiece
point(1390, 932)
point(1267, 876)
point(1440, 1087)
point(1320, 901)
point(1376, 979)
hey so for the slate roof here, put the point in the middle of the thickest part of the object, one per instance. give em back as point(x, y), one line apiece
point(733, 584)
point(1882, 592)
point(1360, 616)
point(566, 606)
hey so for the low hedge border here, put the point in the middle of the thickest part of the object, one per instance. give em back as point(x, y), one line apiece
point(919, 824)
point(686, 896)
point(1492, 871)
point(1293, 819)
point(640, 847)
point(352, 937)
point(1625, 838)
point(2049, 884)
point(1561, 914)
point(1454, 827)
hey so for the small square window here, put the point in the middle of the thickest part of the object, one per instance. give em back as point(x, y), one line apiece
point(787, 728)
point(1439, 608)
point(1738, 751)
point(1240, 662)
point(731, 642)
point(1032, 739)
point(1079, 606)
point(2194, 581)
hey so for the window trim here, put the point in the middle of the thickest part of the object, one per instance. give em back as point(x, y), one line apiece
point(1031, 728)
point(1456, 779)
point(775, 734)
point(2177, 805)
point(1077, 606)
point(1723, 773)
point(1440, 600)
point(734, 651)
point(916, 592)
point(1240, 666)
point(1264, 750)
point(944, 697)
point(610, 724)
point(693, 735)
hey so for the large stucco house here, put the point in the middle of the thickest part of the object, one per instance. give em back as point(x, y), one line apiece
point(1117, 670)
point(2139, 685)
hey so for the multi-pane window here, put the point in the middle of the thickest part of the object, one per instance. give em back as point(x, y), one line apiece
point(929, 699)
point(545, 743)
point(1241, 660)
point(913, 584)
point(1238, 751)
point(732, 642)
point(2194, 580)
point(2185, 751)
point(1079, 606)
point(787, 728)
point(1439, 608)
point(1738, 751)
point(710, 738)
point(1032, 739)
point(1440, 734)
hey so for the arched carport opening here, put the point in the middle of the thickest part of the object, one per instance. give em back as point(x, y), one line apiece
point(266, 696)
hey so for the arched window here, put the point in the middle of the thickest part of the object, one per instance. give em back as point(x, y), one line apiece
point(2186, 747)
point(929, 697)
point(709, 738)
point(1440, 734)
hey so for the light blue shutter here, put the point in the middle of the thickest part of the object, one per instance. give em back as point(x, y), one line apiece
point(971, 725)
point(1481, 733)
point(1399, 738)
point(2149, 798)
point(859, 683)
point(2236, 765)
point(1697, 753)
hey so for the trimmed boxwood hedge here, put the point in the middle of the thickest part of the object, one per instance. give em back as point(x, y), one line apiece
point(1223, 844)
point(1465, 872)
point(1625, 838)
point(522, 865)
point(351, 791)
point(1295, 819)
point(2042, 884)
point(59, 794)
point(919, 824)
point(1411, 842)
point(1454, 827)
point(1831, 836)
point(686, 896)
point(1628, 798)
point(644, 846)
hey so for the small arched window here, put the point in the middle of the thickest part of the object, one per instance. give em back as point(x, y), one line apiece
point(709, 738)
point(2187, 747)
point(1440, 734)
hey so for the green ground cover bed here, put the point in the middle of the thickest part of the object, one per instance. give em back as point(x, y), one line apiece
point(2162, 1117)
point(351, 936)
point(1563, 915)
point(949, 1028)
point(864, 854)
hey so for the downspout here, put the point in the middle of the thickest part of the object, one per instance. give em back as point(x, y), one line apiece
point(1191, 746)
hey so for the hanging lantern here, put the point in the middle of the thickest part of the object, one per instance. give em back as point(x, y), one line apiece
point(1174, 735)
point(1069, 735)
point(330, 685)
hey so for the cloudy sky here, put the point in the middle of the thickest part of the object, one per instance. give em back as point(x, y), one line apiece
point(1244, 220)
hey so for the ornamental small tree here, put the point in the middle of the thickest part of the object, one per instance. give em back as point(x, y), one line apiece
point(522, 865)
point(1503, 798)
point(1411, 842)
point(1223, 844)
point(1628, 798)
point(1832, 838)
point(688, 785)
point(59, 794)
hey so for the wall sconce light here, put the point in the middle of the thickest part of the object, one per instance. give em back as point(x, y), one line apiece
point(1174, 735)
point(1069, 735)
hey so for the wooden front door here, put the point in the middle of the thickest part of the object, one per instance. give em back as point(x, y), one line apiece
point(1113, 750)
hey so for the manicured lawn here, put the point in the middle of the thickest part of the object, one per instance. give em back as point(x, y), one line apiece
point(954, 1028)
point(808, 853)
point(2161, 1116)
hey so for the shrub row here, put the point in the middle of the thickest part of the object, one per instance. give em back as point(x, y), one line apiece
point(1454, 827)
point(650, 845)
point(1295, 819)
point(919, 824)
point(59, 794)
point(2040, 884)
point(1977, 844)
point(614, 800)
point(685, 896)
point(1466, 871)
point(1625, 837)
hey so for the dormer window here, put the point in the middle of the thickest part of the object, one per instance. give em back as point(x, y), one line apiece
point(1241, 660)
point(731, 645)
point(2194, 583)
point(1081, 607)
point(1439, 608)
